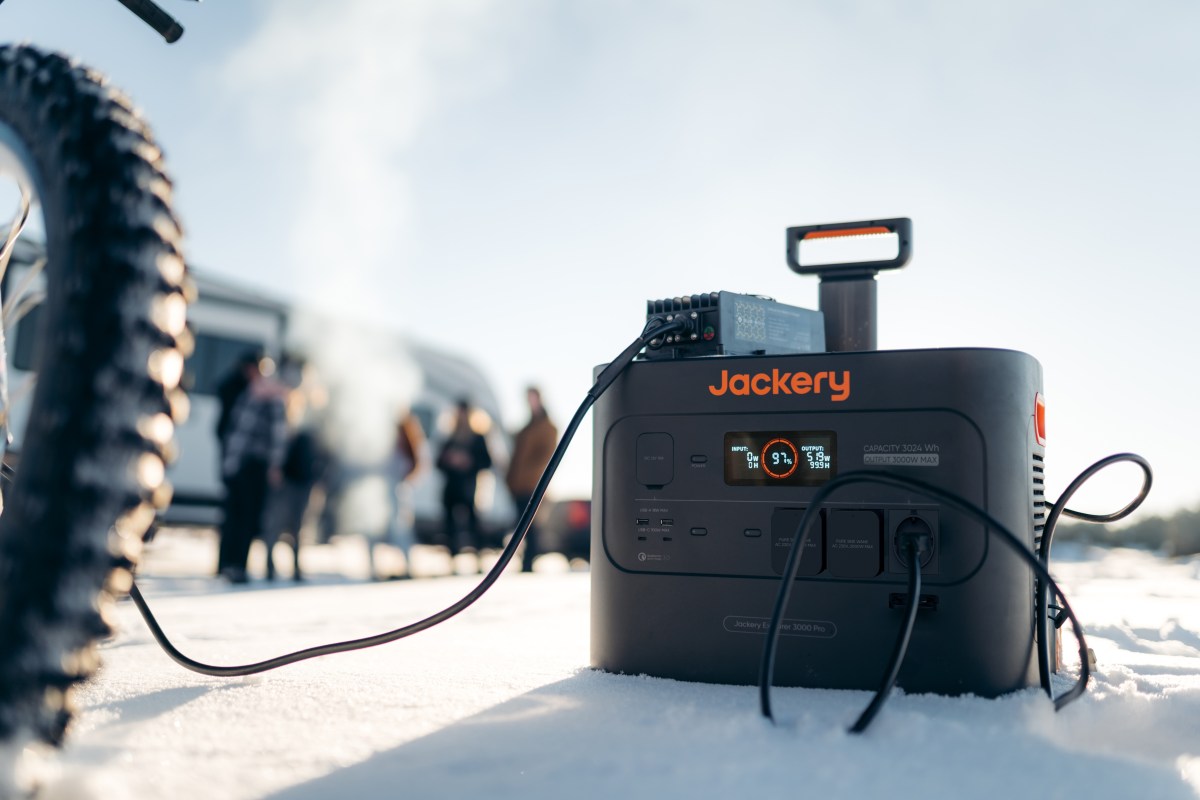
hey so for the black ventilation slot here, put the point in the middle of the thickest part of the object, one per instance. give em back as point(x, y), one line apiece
point(1039, 498)
point(689, 303)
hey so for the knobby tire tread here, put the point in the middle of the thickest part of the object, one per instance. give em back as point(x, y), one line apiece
point(88, 477)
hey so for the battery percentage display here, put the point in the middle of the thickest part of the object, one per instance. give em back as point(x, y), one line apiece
point(766, 458)
point(779, 458)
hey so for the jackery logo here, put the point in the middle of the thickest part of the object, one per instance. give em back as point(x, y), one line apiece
point(835, 384)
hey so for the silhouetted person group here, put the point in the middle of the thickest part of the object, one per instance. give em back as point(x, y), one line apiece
point(465, 454)
point(270, 472)
point(269, 464)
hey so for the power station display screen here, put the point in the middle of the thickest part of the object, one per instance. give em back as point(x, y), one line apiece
point(773, 458)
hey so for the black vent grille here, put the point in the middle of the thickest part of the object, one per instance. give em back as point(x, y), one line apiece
point(682, 303)
point(1039, 499)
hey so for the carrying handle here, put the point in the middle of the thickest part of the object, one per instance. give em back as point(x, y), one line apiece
point(900, 226)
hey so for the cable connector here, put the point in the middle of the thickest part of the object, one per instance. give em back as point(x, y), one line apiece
point(914, 534)
point(1059, 617)
point(919, 542)
point(682, 323)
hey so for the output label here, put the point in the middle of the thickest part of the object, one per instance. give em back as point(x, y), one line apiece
point(904, 454)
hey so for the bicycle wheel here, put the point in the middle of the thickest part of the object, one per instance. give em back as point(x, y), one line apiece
point(110, 339)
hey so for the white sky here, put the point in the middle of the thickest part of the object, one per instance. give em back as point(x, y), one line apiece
point(516, 179)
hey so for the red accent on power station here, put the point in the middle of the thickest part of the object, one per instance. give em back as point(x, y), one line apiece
point(1039, 418)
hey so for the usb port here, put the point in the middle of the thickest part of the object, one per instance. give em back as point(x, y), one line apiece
point(927, 602)
point(666, 521)
point(642, 521)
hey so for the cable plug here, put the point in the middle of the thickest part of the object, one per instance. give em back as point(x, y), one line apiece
point(914, 536)
point(919, 542)
point(914, 544)
point(681, 323)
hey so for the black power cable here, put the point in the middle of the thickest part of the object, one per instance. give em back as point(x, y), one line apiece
point(1057, 511)
point(767, 672)
point(656, 326)
point(913, 548)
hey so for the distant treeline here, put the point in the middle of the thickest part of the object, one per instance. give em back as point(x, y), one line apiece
point(1176, 535)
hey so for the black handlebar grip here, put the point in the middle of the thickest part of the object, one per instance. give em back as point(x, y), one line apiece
point(156, 18)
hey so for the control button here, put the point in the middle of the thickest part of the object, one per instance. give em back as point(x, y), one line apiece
point(655, 459)
point(699, 531)
point(785, 523)
point(855, 543)
point(753, 532)
point(700, 459)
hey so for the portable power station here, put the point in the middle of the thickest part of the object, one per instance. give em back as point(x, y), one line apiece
point(708, 450)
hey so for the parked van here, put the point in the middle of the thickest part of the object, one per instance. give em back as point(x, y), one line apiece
point(370, 377)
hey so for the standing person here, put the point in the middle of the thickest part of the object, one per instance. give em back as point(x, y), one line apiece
point(463, 456)
point(405, 464)
point(532, 448)
point(290, 498)
point(303, 465)
point(255, 446)
point(231, 388)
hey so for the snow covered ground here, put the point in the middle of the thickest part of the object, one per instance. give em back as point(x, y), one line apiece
point(499, 702)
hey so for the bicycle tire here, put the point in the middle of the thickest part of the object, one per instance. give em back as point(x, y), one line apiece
point(112, 339)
